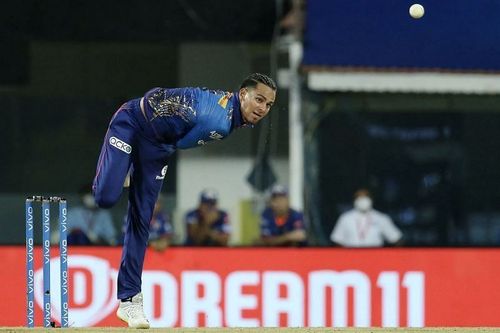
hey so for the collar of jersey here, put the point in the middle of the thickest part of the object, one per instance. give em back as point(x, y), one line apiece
point(237, 117)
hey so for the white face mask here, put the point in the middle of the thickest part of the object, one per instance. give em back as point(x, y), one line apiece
point(88, 201)
point(363, 204)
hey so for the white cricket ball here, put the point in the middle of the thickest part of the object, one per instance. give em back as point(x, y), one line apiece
point(417, 11)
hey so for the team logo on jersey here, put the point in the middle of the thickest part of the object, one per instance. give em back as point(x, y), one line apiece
point(122, 145)
point(163, 173)
point(215, 136)
point(224, 99)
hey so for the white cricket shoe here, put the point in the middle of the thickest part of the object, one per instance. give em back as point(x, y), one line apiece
point(133, 313)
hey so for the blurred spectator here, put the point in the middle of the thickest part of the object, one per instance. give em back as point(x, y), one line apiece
point(207, 225)
point(160, 228)
point(88, 224)
point(363, 226)
point(282, 225)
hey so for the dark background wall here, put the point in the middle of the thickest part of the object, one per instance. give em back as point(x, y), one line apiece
point(65, 67)
point(429, 160)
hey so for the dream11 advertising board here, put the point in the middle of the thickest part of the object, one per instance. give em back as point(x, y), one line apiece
point(271, 287)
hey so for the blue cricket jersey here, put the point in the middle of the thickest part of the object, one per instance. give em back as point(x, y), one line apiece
point(271, 225)
point(191, 117)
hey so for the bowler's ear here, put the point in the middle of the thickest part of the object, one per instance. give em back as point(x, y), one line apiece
point(242, 92)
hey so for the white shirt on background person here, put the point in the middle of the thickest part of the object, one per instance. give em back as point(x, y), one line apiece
point(355, 228)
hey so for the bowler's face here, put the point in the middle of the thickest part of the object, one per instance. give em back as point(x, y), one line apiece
point(256, 102)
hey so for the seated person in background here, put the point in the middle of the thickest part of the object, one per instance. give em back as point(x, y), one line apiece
point(363, 226)
point(160, 228)
point(88, 224)
point(282, 225)
point(207, 225)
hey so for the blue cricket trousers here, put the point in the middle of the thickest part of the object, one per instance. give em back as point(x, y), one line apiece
point(131, 144)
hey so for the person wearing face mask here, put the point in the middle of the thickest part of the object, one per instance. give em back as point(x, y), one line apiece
point(88, 224)
point(142, 136)
point(364, 226)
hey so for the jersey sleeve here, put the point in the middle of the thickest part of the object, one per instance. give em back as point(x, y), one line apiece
point(226, 225)
point(191, 217)
point(165, 225)
point(168, 228)
point(298, 221)
point(171, 112)
point(265, 224)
